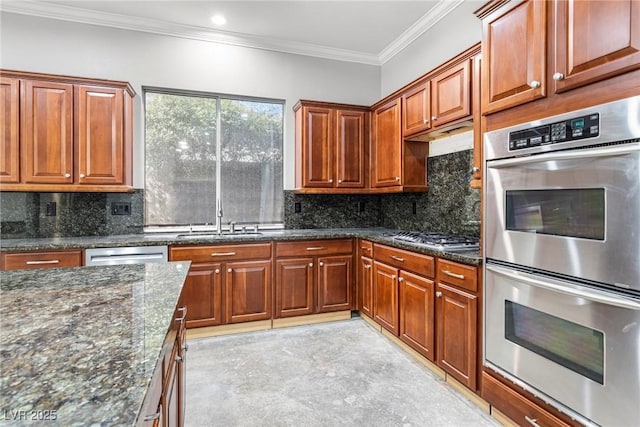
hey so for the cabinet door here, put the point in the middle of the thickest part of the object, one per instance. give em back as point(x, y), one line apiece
point(451, 96)
point(202, 294)
point(248, 291)
point(456, 319)
point(172, 396)
point(595, 40)
point(386, 162)
point(514, 56)
point(46, 132)
point(99, 135)
point(417, 313)
point(365, 286)
point(385, 296)
point(350, 148)
point(294, 287)
point(416, 105)
point(9, 130)
point(317, 159)
point(334, 283)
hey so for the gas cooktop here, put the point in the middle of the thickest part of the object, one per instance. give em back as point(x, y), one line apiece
point(439, 241)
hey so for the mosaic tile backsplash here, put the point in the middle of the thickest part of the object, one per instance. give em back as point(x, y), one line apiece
point(30, 215)
point(450, 205)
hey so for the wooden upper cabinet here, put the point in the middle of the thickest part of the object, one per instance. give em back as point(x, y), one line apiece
point(514, 55)
point(331, 147)
point(416, 104)
point(350, 148)
point(451, 94)
point(99, 135)
point(595, 40)
point(9, 127)
point(386, 161)
point(46, 132)
point(65, 133)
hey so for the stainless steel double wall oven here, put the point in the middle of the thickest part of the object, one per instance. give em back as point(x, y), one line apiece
point(562, 271)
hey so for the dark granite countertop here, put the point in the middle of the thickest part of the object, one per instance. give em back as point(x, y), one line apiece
point(83, 342)
point(378, 235)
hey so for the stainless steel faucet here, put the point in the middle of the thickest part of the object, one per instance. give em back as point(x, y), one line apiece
point(219, 214)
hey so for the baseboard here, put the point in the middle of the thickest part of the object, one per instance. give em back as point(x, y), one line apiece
point(502, 418)
point(419, 357)
point(371, 322)
point(311, 319)
point(234, 328)
point(474, 398)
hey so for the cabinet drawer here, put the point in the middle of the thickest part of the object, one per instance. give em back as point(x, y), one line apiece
point(366, 248)
point(461, 275)
point(515, 406)
point(314, 247)
point(418, 263)
point(216, 253)
point(31, 260)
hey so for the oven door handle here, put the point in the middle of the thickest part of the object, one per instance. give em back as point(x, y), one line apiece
point(557, 286)
point(617, 150)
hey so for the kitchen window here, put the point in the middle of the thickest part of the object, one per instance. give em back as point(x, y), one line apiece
point(207, 150)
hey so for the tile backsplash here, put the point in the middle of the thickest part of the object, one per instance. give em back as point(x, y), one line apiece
point(28, 215)
point(449, 206)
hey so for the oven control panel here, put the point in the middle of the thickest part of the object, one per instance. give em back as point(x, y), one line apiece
point(573, 129)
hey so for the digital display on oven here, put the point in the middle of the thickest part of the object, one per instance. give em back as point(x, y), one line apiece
point(573, 346)
point(572, 212)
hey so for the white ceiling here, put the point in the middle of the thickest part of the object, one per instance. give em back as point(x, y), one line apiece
point(360, 31)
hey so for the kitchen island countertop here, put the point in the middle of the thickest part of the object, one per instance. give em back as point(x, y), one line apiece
point(80, 345)
point(377, 235)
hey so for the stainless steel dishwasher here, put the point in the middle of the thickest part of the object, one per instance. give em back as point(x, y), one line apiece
point(125, 255)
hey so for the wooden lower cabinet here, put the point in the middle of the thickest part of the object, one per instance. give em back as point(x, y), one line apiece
point(45, 259)
point(365, 278)
point(313, 277)
point(237, 288)
point(385, 296)
point(521, 410)
point(417, 313)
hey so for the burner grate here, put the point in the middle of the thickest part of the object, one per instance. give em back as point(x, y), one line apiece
point(439, 241)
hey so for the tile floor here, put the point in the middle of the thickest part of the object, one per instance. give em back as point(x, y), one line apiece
point(334, 374)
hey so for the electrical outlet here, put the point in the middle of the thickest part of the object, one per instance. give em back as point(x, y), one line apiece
point(51, 209)
point(120, 208)
point(297, 207)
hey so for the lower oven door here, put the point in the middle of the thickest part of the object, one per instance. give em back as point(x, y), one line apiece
point(576, 347)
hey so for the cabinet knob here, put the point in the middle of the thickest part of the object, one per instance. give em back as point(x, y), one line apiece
point(534, 84)
point(217, 271)
point(434, 118)
point(393, 277)
point(229, 270)
point(476, 169)
point(339, 181)
point(82, 175)
point(322, 264)
point(310, 264)
point(401, 280)
point(178, 359)
point(367, 266)
point(425, 121)
point(558, 76)
point(330, 181)
point(397, 178)
point(152, 417)
point(67, 175)
point(438, 294)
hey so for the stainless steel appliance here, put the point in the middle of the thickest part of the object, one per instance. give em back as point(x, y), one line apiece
point(439, 241)
point(125, 255)
point(562, 270)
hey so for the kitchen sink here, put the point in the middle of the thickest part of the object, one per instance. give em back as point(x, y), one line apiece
point(214, 235)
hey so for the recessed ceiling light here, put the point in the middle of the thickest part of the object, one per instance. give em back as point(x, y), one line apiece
point(218, 19)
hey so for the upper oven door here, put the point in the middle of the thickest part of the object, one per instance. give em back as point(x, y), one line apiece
point(575, 213)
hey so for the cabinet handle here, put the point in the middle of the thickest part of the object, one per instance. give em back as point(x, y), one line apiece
point(152, 417)
point(223, 254)
point(82, 175)
point(310, 264)
point(558, 76)
point(534, 84)
point(367, 266)
point(67, 175)
point(217, 271)
point(457, 276)
point(397, 258)
point(178, 359)
point(365, 249)
point(531, 421)
point(229, 270)
point(185, 347)
point(316, 248)
point(183, 309)
point(434, 118)
point(438, 294)
point(53, 261)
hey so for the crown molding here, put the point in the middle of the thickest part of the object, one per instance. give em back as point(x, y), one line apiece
point(85, 16)
point(422, 25)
